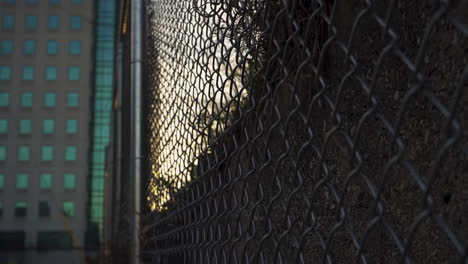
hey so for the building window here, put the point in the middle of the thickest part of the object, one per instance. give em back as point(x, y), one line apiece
point(69, 181)
point(4, 99)
point(21, 209)
point(5, 73)
point(76, 2)
point(29, 47)
point(4, 126)
point(74, 73)
point(3, 153)
point(52, 47)
point(50, 99)
point(47, 153)
point(44, 209)
point(6, 47)
point(51, 73)
point(22, 181)
point(54, 2)
point(31, 22)
point(28, 73)
point(71, 126)
point(26, 99)
point(70, 153)
point(25, 127)
point(8, 22)
point(2, 181)
point(31, 2)
point(75, 22)
point(73, 99)
point(24, 153)
point(48, 126)
point(53, 22)
point(45, 181)
point(74, 47)
point(68, 208)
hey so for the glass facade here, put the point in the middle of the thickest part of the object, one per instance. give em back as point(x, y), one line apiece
point(102, 105)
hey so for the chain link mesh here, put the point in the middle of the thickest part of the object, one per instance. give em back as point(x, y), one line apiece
point(307, 131)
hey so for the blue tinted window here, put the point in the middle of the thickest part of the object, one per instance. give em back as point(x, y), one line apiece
point(50, 99)
point(53, 22)
point(31, 22)
point(76, 2)
point(26, 99)
point(5, 73)
point(73, 99)
point(54, 2)
point(4, 99)
point(51, 73)
point(3, 152)
point(47, 153)
point(52, 47)
point(73, 73)
point(28, 73)
point(29, 47)
point(75, 22)
point(71, 126)
point(75, 47)
point(4, 128)
point(8, 22)
point(6, 47)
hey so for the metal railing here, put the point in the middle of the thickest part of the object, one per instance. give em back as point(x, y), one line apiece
point(307, 131)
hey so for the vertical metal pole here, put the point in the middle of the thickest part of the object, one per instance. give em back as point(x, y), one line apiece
point(136, 52)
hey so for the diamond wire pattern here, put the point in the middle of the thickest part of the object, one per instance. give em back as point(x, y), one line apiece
point(307, 131)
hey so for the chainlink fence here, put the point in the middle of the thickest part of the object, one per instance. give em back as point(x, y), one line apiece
point(307, 131)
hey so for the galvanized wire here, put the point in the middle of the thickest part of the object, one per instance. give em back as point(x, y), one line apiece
point(307, 131)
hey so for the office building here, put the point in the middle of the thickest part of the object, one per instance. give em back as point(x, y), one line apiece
point(56, 80)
